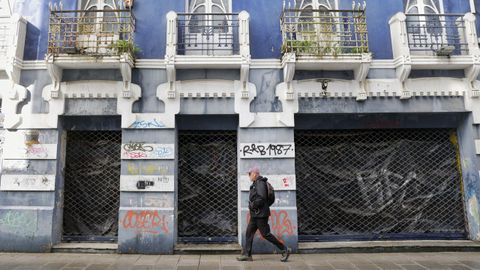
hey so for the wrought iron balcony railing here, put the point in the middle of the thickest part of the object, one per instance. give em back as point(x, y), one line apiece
point(436, 34)
point(92, 32)
point(208, 34)
point(324, 32)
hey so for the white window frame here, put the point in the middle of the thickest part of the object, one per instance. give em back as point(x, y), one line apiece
point(316, 4)
point(101, 3)
point(208, 4)
point(421, 6)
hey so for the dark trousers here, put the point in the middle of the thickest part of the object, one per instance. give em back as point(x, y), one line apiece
point(262, 225)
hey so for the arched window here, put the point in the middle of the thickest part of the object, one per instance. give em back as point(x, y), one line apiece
point(423, 7)
point(209, 16)
point(104, 19)
point(316, 23)
point(317, 4)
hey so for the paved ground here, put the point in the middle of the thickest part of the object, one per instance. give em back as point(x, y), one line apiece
point(377, 261)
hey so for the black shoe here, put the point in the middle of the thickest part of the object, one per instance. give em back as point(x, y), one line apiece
point(245, 258)
point(285, 254)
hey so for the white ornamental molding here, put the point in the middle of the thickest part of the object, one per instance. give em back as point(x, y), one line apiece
point(266, 150)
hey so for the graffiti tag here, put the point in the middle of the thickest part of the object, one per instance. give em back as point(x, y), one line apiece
point(147, 124)
point(147, 151)
point(27, 182)
point(281, 225)
point(134, 169)
point(145, 221)
point(267, 150)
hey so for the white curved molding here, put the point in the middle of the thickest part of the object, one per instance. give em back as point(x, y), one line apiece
point(14, 95)
point(75, 89)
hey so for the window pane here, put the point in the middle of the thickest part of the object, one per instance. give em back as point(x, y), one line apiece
point(197, 22)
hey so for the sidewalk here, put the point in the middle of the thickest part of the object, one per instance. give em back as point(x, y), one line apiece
point(367, 261)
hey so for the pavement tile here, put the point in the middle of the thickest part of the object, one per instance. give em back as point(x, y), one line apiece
point(237, 268)
point(147, 260)
point(413, 267)
point(386, 265)
point(342, 265)
point(253, 265)
point(321, 267)
point(187, 267)
point(432, 265)
point(459, 267)
point(366, 266)
point(53, 266)
point(8, 266)
point(97, 267)
point(78, 264)
point(209, 266)
point(471, 264)
point(28, 267)
point(142, 267)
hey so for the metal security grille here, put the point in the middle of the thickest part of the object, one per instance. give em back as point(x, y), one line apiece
point(375, 184)
point(92, 185)
point(207, 203)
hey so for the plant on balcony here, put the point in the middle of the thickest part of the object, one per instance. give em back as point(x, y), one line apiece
point(124, 46)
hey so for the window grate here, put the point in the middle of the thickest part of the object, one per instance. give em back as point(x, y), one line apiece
point(371, 184)
point(92, 185)
point(207, 204)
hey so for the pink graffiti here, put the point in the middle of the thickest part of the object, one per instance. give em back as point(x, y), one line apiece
point(285, 182)
point(135, 154)
point(36, 151)
point(280, 224)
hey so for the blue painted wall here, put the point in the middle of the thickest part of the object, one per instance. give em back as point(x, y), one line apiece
point(265, 34)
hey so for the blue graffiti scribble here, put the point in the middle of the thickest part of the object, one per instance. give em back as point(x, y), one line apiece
point(163, 152)
point(147, 124)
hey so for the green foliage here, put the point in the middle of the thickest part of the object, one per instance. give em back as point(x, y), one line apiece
point(124, 46)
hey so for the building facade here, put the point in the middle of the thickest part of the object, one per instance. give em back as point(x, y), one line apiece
point(135, 122)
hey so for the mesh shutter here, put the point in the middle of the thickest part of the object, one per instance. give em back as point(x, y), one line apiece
point(207, 186)
point(378, 184)
point(92, 185)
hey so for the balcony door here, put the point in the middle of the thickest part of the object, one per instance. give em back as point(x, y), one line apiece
point(97, 26)
point(209, 28)
point(318, 30)
point(425, 26)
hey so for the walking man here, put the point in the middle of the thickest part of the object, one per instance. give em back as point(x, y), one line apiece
point(259, 214)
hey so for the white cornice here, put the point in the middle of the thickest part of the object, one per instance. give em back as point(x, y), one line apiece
point(160, 64)
point(150, 63)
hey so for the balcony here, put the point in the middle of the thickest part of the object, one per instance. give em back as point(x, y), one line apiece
point(208, 34)
point(325, 40)
point(207, 40)
point(322, 35)
point(90, 39)
point(434, 41)
point(436, 35)
point(100, 34)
